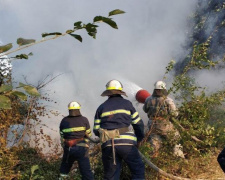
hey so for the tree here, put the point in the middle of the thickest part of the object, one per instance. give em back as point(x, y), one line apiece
point(20, 104)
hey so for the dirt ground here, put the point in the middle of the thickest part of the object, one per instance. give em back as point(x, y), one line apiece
point(209, 171)
point(212, 171)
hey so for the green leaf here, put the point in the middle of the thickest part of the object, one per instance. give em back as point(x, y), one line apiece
point(21, 56)
point(115, 12)
point(5, 47)
point(30, 89)
point(5, 88)
point(98, 18)
point(34, 168)
point(108, 21)
point(22, 41)
point(91, 29)
point(5, 102)
point(78, 24)
point(20, 95)
point(76, 36)
point(50, 34)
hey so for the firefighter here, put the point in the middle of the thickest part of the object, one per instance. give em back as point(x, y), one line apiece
point(160, 109)
point(221, 159)
point(120, 129)
point(74, 130)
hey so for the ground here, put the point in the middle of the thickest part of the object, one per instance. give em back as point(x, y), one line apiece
point(212, 171)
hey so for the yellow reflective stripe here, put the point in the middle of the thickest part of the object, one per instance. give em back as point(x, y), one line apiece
point(135, 121)
point(70, 108)
point(119, 144)
point(111, 88)
point(134, 115)
point(115, 112)
point(74, 129)
point(88, 130)
point(97, 127)
point(127, 137)
point(97, 120)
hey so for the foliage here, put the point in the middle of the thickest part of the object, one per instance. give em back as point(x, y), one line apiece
point(8, 162)
point(196, 105)
point(18, 122)
point(201, 114)
point(23, 105)
point(35, 165)
point(192, 167)
point(91, 29)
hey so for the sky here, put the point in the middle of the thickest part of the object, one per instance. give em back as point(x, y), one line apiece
point(149, 35)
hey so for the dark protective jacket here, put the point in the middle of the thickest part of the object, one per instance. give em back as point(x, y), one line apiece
point(75, 127)
point(221, 159)
point(117, 112)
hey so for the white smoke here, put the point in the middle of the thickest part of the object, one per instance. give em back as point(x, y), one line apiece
point(150, 34)
point(212, 80)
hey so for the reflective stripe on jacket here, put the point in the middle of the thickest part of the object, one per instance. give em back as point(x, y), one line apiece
point(75, 127)
point(117, 112)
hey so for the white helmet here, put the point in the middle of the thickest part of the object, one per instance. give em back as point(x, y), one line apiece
point(114, 85)
point(160, 85)
point(74, 105)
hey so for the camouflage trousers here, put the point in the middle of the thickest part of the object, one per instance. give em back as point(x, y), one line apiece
point(164, 129)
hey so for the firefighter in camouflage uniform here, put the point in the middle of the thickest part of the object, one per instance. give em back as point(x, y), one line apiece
point(160, 108)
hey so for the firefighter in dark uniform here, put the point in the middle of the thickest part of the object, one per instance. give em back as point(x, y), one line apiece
point(120, 129)
point(74, 130)
point(221, 159)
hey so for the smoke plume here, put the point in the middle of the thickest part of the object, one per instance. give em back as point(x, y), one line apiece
point(150, 34)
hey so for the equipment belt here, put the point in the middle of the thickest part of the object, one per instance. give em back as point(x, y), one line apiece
point(123, 130)
point(72, 142)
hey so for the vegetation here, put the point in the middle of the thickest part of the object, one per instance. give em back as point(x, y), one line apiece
point(200, 120)
point(21, 109)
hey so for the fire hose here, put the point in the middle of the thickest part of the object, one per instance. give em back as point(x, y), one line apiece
point(151, 165)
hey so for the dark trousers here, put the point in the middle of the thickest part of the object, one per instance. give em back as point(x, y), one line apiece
point(131, 157)
point(79, 154)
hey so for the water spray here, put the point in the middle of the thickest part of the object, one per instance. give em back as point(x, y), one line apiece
point(139, 94)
